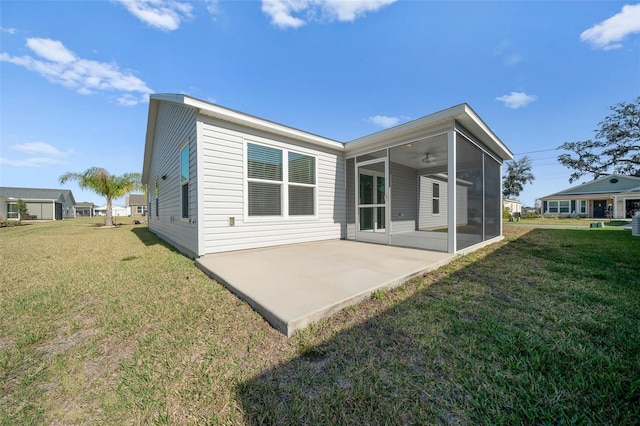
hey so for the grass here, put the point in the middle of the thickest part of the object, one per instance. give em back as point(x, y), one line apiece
point(567, 221)
point(112, 326)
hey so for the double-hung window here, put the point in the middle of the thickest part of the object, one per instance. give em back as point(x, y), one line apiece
point(436, 198)
point(583, 206)
point(302, 183)
point(12, 211)
point(561, 207)
point(184, 181)
point(280, 182)
point(564, 206)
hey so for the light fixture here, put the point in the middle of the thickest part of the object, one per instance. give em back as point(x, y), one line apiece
point(164, 177)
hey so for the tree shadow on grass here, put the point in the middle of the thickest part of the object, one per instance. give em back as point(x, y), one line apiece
point(494, 341)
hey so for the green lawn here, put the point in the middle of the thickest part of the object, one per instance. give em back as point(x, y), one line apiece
point(568, 221)
point(112, 326)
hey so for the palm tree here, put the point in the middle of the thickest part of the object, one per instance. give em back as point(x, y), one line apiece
point(102, 183)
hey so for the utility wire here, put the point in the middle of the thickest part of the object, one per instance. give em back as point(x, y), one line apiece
point(541, 150)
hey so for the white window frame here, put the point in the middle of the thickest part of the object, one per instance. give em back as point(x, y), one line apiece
point(284, 184)
point(185, 145)
point(559, 205)
point(434, 198)
point(13, 215)
point(583, 207)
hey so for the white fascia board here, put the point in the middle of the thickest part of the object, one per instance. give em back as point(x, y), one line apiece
point(432, 120)
point(462, 113)
point(494, 141)
point(226, 114)
point(149, 137)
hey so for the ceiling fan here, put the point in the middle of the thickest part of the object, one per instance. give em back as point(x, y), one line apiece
point(427, 159)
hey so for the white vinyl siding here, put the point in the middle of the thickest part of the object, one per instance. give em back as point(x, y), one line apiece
point(428, 219)
point(175, 124)
point(404, 203)
point(224, 162)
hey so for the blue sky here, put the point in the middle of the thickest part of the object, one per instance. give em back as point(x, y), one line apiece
point(75, 75)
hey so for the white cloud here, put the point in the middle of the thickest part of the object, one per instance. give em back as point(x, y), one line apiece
point(8, 30)
point(507, 53)
point(41, 148)
point(166, 15)
point(62, 66)
point(282, 11)
point(212, 6)
point(516, 100)
point(609, 33)
point(384, 121)
point(52, 50)
point(31, 162)
point(41, 154)
point(513, 59)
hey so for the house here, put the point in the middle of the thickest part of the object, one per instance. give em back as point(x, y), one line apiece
point(137, 204)
point(116, 211)
point(513, 206)
point(42, 204)
point(85, 209)
point(221, 180)
point(613, 196)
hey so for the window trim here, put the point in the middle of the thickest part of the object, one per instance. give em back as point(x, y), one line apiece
point(185, 145)
point(566, 204)
point(157, 199)
point(585, 204)
point(284, 184)
point(435, 199)
point(12, 214)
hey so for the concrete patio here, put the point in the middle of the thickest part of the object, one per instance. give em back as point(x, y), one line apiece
point(295, 285)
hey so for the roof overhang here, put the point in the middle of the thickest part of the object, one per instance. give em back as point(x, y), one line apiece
point(462, 114)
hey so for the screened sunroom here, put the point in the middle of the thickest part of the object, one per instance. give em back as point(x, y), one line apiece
point(433, 183)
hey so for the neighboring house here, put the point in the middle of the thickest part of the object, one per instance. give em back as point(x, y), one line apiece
point(514, 206)
point(221, 180)
point(42, 204)
point(137, 204)
point(85, 209)
point(116, 211)
point(613, 196)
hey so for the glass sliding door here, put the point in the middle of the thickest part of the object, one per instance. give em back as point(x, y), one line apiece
point(371, 199)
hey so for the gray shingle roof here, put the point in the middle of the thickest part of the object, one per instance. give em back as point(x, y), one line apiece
point(37, 194)
point(610, 184)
